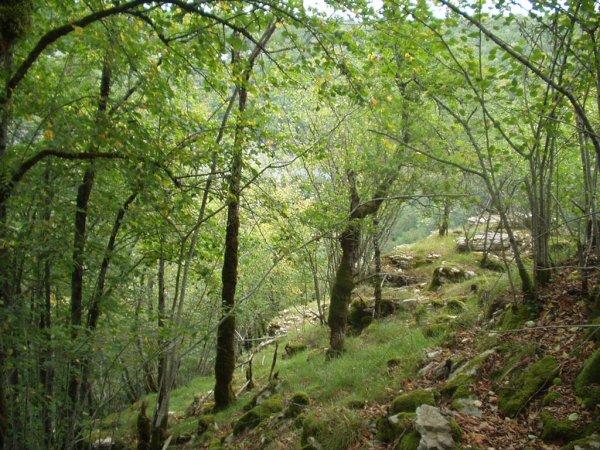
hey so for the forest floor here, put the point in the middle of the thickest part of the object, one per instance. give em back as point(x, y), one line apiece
point(350, 397)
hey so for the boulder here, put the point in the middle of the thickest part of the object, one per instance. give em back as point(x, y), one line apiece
point(435, 429)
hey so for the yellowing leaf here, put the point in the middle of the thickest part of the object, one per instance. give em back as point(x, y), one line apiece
point(48, 134)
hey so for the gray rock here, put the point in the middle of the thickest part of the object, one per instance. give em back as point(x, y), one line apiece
point(409, 304)
point(313, 444)
point(434, 429)
point(434, 354)
point(588, 443)
point(469, 406)
point(472, 366)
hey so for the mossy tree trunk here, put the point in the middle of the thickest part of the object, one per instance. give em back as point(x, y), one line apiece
point(343, 284)
point(225, 358)
point(160, 418)
point(378, 281)
point(443, 228)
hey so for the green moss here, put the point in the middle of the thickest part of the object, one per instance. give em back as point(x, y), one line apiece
point(392, 427)
point(514, 317)
point(335, 429)
point(587, 383)
point(356, 403)
point(297, 404)
point(291, 348)
point(594, 332)
point(515, 353)
point(410, 441)
point(550, 397)
point(526, 384)
point(557, 430)
point(455, 429)
point(434, 329)
point(215, 444)
point(455, 305)
point(256, 415)
point(459, 386)
point(410, 401)
point(586, 443)
point(204, 424)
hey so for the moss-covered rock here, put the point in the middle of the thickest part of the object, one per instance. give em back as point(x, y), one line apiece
point(460, 381)
point(557, 430)
point(392, 427)
point(360, 315)
point(591, 442)
point(205, 423)
point(594, 333)
point(256, 415)
point(262, 395)
point(514, 317)
point(447, 274)
point(527, 384)
point(459, 386)
point(297, 403)
point(514, 353)
point(410, 401)
point(587, 383)
point(291, 348)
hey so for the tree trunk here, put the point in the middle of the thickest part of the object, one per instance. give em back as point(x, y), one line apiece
point(342, 288)
point(225, 359)
point(160, 419)
point(443, 228)
point(81, 215)
point(378, 281)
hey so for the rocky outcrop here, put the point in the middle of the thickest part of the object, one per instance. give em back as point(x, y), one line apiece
point(447, 274)
point(490, 241)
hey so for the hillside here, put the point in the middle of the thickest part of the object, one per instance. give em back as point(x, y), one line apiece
point(498, 379)
point(299, 224)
